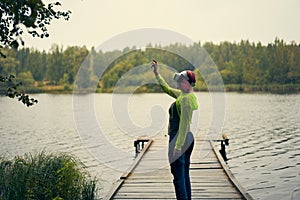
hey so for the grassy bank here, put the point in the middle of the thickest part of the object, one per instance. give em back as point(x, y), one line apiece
point(59, 89)
point(67, 89)
point(270, 88)
point(45, 176)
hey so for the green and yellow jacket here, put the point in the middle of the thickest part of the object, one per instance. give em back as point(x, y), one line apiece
point(185, 104)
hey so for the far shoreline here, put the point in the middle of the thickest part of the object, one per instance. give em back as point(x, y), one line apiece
point(247, 89)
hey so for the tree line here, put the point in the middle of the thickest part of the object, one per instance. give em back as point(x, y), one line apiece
point(242, 64)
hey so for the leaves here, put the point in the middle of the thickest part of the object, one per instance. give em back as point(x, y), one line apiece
point(16, 17)
point(14, 44)
point(2, 55)
point(14, 92)
point(31, 15)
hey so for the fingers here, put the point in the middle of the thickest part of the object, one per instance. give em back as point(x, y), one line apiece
point(153, 64)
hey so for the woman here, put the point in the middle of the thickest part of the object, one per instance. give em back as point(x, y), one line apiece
point(181, 140)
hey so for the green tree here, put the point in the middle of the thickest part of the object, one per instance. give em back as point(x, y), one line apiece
point(32, 16)
point(86, 78)
point(36, 65)
point(55, 68)
point(294, 63)
point(22, 57)
point(9, 64)
point(72, 59)
point(17, 17)
point(239, 63)
point(229, 74)
point(26, 78)
point(279, 68)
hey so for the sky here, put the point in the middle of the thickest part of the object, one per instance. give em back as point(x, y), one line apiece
point(93, 22)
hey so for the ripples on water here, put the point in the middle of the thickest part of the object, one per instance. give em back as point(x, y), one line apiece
point(265, 143)
point(264, 131)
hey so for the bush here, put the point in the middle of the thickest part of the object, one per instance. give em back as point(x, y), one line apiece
point(45, 176)
point(25, 78)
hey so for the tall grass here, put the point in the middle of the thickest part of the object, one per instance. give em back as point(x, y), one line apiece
point(45, 176)
point(269, 88)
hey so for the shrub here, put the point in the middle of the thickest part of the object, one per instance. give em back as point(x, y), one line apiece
point(45, 176)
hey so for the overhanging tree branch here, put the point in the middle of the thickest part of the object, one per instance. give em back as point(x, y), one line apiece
point(13, 91)
point(16, 17)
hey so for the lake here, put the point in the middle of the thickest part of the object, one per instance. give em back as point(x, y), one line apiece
point(264, 132)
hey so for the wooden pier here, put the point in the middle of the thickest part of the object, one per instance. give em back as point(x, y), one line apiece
point(149, 177)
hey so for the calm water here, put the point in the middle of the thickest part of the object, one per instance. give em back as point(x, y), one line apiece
point(264, 131)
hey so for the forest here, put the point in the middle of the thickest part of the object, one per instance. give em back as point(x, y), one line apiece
point(243, 66)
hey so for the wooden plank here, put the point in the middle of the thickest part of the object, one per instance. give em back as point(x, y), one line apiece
point(231, 176)
point(210, 189)
point(115, 187)
point(153, 195)
point(118, 184)
point(137, 159)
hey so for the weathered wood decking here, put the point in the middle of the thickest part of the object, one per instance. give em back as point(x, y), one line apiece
point(150, 176)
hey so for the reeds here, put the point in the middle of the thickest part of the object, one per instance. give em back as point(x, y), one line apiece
point(45, 176)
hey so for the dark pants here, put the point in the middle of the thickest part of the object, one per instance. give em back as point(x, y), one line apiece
point(180, 167)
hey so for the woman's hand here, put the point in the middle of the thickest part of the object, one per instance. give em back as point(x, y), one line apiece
point(154, 65)
point(176, 153)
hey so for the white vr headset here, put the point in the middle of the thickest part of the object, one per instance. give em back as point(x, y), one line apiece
point(181, 75)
